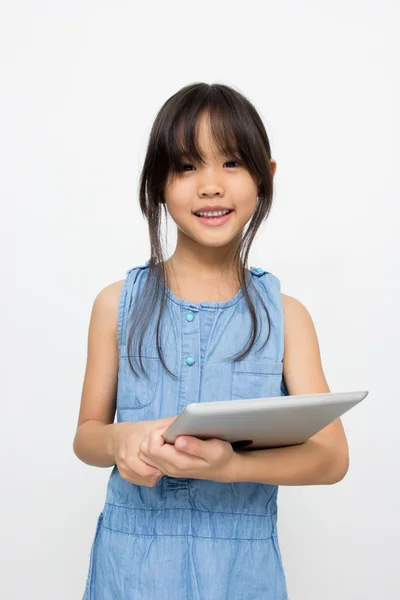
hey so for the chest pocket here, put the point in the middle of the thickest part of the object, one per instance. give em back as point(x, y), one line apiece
point(256, 379)
point(137, 391)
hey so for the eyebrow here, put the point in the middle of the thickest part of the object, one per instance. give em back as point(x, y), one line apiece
point(185, 156)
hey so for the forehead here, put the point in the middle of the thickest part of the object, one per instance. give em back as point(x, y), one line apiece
point(202, 135)
point(207, 137)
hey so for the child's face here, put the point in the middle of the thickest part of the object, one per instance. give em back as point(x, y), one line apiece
point(219, 182)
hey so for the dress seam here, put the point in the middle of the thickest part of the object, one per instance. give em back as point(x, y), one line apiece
point(179, 508)
point(190, 535)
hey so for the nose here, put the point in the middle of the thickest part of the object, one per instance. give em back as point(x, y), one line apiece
point(210, 190)
point(210, 182)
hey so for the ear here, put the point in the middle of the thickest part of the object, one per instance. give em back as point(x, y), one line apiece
point(273, 166)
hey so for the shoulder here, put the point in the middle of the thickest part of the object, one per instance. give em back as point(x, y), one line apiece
point(107, 299)
point(295, 311)
point(298, 322)
point(105, 305)
point(301, 360)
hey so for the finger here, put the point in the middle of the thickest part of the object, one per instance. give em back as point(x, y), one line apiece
point(166, 424)
point(150, 462)
point(172, 457)
point(144, 444)
point(177, 464)
point(205, 449)
point(144, 454)
point(155, 442)
point(139, 480)
point(148, 449)
point(146, 469)
point(169, 420)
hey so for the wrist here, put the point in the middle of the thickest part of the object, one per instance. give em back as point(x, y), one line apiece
point(230, 473)
point(110, 435)
point(113, 433)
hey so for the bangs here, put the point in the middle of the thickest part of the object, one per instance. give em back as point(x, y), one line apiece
point(226, 130)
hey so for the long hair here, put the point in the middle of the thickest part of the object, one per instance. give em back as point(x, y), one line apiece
point(238, 131)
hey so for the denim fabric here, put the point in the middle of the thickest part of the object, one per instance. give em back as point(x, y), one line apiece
point(190, 539)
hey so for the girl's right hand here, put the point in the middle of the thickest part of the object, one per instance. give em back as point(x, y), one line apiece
point(125, 442)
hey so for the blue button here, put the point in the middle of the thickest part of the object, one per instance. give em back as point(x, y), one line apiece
point(259, 270)
point(189, 316)
point(190, 361)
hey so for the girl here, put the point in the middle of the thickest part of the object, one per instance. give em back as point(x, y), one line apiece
point(197, 519)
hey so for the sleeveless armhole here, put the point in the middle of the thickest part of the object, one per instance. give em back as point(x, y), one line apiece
point(121, 309)
point(123, 304)
point(125, 299)
point(274, 283)
point(272, 287)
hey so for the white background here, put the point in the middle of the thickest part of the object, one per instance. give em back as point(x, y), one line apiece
point(81, 83)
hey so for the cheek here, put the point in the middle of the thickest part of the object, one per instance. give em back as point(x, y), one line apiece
point(246, 204)
point(244, 191)
point(177, 198)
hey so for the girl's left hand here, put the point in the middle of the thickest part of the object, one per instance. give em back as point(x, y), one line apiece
point(189, 457)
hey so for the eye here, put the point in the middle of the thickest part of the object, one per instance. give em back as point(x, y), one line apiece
point(183, 167)
point(187, 167)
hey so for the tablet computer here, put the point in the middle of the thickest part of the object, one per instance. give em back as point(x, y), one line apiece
point(262, 422)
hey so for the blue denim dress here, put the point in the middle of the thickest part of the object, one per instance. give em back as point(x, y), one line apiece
point(191, 539)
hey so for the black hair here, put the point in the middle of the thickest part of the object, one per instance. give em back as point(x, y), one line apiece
point(239, 132)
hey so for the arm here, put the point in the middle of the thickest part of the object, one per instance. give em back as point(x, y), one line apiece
point(94, 435)
point(98, 440)
point(324, 458)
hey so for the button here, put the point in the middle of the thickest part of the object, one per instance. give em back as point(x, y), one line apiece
point(189, 317)
point(257, 270)
point(190, 361)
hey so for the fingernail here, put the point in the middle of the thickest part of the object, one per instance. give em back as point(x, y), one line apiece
point(181, 444)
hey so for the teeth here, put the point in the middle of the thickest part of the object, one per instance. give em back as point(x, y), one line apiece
point(217, 213)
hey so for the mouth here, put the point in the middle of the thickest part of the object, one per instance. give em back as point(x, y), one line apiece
point(217, 220)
